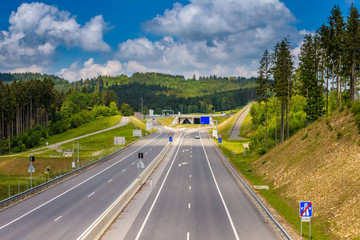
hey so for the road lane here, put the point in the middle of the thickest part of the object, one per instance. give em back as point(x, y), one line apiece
point(78, 201)
point(199, 199)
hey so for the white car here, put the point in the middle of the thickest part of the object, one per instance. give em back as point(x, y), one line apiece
point(197, 137)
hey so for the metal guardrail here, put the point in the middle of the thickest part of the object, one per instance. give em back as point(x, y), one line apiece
point(20, 196)
point(286, 235)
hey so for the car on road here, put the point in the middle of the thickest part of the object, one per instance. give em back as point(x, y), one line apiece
point(197, 137)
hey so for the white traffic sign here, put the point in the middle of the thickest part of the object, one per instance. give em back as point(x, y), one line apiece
point(140, 164)
point(31, 168)
point(305, 219)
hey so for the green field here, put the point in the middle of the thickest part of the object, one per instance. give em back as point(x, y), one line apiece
point(13, 170)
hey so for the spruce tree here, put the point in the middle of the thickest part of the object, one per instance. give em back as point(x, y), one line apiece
point(262, 87)
point(282, 73)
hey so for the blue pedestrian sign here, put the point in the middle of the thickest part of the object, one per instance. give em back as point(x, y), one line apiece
point(170, 139)
point(205, 120)
point(306, 209)
point(220, 140)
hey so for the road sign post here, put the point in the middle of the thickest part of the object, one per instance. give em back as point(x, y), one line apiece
point(31, 169)
point(306, 212)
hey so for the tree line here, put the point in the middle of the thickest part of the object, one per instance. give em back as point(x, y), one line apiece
point(325, 78)
point(32, 110)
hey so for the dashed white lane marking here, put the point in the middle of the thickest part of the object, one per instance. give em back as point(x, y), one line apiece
point(189, 187)
point(133, 163)
point(190, 175)
point(189, 205)
point(91, 194)
point(110, 181)
point(57, 218)
point(187, 236)
point(123, 170)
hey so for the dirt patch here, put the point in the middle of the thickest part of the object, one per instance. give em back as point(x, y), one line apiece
point(321, 163)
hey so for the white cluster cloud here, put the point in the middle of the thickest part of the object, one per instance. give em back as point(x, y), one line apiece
point(91, 69)
point(204, 37)
point(221, 37)
point(37, 29)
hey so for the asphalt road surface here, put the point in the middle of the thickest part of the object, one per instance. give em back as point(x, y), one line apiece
point(68, 209)
point(198, 198)
point(236, 130)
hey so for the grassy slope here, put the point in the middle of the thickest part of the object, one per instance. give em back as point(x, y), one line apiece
point(321, 165)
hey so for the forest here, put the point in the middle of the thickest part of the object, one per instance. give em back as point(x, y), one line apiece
point(34, 106)
point(325, 79)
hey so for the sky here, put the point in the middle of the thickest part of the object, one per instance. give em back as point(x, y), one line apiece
point(83, 39)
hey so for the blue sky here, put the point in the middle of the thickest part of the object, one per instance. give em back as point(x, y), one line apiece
point(83, 39)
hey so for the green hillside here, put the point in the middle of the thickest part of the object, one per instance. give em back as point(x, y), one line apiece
point(321, 164)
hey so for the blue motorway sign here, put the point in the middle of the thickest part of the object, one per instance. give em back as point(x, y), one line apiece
point(170, 139)
point(220, 140)
point(306, 209)
point(205, 120)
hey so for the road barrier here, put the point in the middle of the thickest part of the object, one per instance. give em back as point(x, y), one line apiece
point(97, 228)
point(277, 224)
point(23, 195)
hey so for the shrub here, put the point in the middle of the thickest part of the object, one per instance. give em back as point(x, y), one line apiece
point(355, 109)
point(339, 135)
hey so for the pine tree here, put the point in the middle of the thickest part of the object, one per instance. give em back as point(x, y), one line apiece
point(262, 88)
point(352, 38)
point(282, 73)
point(311, 88)
point(337, 27)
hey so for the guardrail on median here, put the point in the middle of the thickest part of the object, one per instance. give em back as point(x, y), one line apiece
point(97, 228)
point(277, 224)
point(20, 196)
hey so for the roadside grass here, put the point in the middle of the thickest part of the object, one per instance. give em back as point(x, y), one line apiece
point(13, 170)
point(246, 127)
point(97, 125)
point(165, 120)
point(220, 119)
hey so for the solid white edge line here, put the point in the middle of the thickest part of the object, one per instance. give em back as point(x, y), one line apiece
point(25, 214)
point(188, 236)
point(221, 196)
point(157, 195)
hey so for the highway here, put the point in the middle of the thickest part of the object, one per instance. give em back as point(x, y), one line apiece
point(198, 198)
point(66, 210)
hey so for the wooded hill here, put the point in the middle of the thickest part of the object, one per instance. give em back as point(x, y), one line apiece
point(32, 110)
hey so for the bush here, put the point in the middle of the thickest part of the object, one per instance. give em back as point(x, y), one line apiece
point(355, 109)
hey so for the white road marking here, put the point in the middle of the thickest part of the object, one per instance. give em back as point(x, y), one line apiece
point(189, 205)
point(183, 163)
point(91, 194)
point(57, 218)
point(187, 236)
point(133, 163)
point(189, 187)
point(221, 196)
point(190, 175)
point(157, 195)
point(34, 209)
point(123, 170)
point(110, 181)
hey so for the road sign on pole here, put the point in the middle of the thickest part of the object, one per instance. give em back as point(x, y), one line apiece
point(139, 165)
point(306, 213)
point(220, 140)
point(205, 120)
point(305, 209)
point(170, 139)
